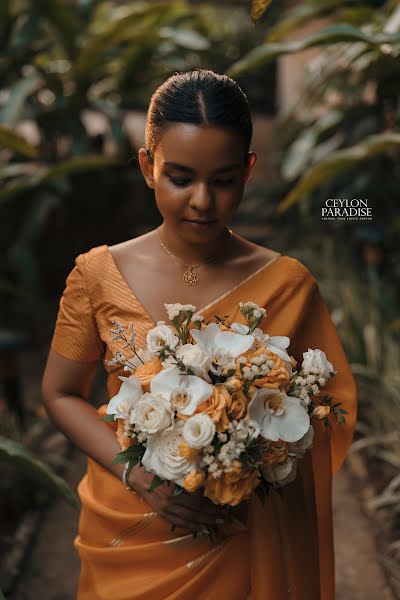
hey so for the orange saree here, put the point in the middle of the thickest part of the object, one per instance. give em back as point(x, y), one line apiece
point(282, 550)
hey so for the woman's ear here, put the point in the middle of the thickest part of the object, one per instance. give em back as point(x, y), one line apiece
point(146, 166)
point(252, 159)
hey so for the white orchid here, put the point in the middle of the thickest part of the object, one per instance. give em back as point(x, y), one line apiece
point(280, 417)
point(163, 458)
point(185, 392)
point(275, 343)
point(160, 337)
point(129, 394)
point(221, 346)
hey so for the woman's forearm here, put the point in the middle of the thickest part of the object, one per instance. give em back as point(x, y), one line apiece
point(80, 423)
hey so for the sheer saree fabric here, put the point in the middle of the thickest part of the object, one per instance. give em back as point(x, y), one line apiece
point(282, 550)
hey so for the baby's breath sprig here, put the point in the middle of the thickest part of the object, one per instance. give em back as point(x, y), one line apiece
point(253, 314)
point(182, 315)
point(119, 334)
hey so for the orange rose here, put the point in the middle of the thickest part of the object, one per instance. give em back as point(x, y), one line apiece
point(124, 440)
point(187, 452)
point(147, 371)
point(216, 406)
point(238, 407)
point(193, 481)
point(278, 376)
point(233, 487)
point(321, 411)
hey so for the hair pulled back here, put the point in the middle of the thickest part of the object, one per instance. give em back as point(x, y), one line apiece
point(199, 97)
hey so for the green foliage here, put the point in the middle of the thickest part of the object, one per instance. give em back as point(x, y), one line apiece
point(12, 453)
point(60, 62)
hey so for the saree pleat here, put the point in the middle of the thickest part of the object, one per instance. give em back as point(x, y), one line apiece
point(280, 550)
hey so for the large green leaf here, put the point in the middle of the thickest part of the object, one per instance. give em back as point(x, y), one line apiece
point(19, 92)
point(13, 453)
point(13, 141)
point(301, 14)
point(63, 18)
point(337, 162)
point(329, 35)
point(42, 173)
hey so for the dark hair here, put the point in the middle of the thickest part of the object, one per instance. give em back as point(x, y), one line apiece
point(200, 97)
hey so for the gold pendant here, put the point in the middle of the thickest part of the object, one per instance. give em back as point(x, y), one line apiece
point(190, 277)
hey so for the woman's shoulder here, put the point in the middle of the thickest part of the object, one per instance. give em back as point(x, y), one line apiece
point(291, 268)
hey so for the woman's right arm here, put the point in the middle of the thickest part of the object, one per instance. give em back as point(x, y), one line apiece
point(65, 388)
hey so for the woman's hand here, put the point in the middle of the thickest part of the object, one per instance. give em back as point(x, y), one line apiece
point(189, 511)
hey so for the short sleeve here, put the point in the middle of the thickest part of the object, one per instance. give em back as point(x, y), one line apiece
point(76, 334)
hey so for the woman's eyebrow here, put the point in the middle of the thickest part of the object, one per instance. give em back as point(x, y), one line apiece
point(174, 165)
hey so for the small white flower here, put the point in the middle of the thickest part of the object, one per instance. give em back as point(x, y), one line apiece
point(315, 361)
point(197, 318)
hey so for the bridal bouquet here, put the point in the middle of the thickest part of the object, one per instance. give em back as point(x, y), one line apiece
point(217, 406)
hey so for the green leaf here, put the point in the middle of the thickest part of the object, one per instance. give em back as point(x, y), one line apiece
point(13, 453)
point(133, 452)
point(178, 490)
point(332, 34)
point(157, 481)
point(63, 19)
point(302, 13)
point(13, 141)
point(19, 92)
point(338, 162)
point(107, 418)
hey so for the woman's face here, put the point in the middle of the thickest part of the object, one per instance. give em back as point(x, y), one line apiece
point(198, 176)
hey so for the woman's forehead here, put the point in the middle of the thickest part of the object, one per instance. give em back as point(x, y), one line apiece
point(189, 144)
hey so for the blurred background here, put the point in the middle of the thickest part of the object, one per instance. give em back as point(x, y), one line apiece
point(323, 81)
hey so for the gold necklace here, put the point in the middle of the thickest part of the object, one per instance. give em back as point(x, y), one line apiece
point(190, 277)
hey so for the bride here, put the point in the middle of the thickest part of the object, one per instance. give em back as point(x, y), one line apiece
point(135, 544)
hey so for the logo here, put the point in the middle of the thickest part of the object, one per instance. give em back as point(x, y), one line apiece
point(345, 209)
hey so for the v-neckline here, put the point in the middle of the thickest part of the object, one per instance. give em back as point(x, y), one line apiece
point(204, 308)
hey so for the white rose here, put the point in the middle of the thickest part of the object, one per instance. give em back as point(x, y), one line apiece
point(162, 456)
point(280, 475)
point(199, 431)
point(151, 414)
point(197, 360)
point(161, 336)
point(315, 361)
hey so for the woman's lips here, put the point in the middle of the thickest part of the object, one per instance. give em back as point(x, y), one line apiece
point(200, 224)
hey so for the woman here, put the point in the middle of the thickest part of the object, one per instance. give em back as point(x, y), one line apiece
point(197, 160)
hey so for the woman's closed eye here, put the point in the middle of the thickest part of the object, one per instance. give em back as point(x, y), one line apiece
point(180, 182)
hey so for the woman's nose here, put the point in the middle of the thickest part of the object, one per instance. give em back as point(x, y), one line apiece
point(201, 198)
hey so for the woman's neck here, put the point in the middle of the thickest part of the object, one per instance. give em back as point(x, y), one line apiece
point(192, 253)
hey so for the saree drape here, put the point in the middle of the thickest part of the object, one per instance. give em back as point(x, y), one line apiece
point(282, 550)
